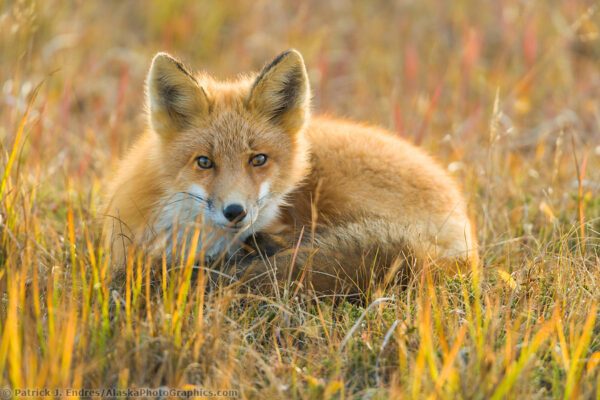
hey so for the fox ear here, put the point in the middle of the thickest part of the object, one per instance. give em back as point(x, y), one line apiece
point(282, 93)
point(176, 99)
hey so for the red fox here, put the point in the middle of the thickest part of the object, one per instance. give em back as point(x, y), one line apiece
point(223, 161)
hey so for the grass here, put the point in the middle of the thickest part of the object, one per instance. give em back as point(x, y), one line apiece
point(503, 93)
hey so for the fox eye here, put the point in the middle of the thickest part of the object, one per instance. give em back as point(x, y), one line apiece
point(258, 160)
point(204, 162)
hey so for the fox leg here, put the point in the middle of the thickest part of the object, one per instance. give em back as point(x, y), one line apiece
point(354, 256)
point(332, 260)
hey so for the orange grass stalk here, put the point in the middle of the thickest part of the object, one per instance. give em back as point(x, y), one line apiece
point(576, 367)
point(13, 152)
point(527, 353)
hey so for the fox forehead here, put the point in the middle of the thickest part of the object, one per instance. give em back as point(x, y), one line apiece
point(229, 134)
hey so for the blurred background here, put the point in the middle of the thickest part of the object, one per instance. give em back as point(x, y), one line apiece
point(428, 70)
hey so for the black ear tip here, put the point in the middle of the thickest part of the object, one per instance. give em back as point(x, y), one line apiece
point(286, 54)
point(160, 62)
point(164, 61)
point(162, 54)
point(162, 57)
point(292, 53)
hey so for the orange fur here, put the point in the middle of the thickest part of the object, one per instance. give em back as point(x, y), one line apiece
point(364, 196)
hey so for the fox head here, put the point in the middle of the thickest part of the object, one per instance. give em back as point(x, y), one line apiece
point(232, 149)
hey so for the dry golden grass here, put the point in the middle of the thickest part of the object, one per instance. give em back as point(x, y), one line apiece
point(503, 93)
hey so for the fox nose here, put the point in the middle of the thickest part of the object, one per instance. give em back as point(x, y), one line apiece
point(234, 212)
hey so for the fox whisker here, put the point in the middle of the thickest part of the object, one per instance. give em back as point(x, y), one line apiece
point(194, 197)
point(263, 200)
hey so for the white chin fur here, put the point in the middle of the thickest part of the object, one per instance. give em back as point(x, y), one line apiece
point(185, 212)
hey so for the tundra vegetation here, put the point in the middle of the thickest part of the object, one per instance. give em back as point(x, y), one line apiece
point(504, 94)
